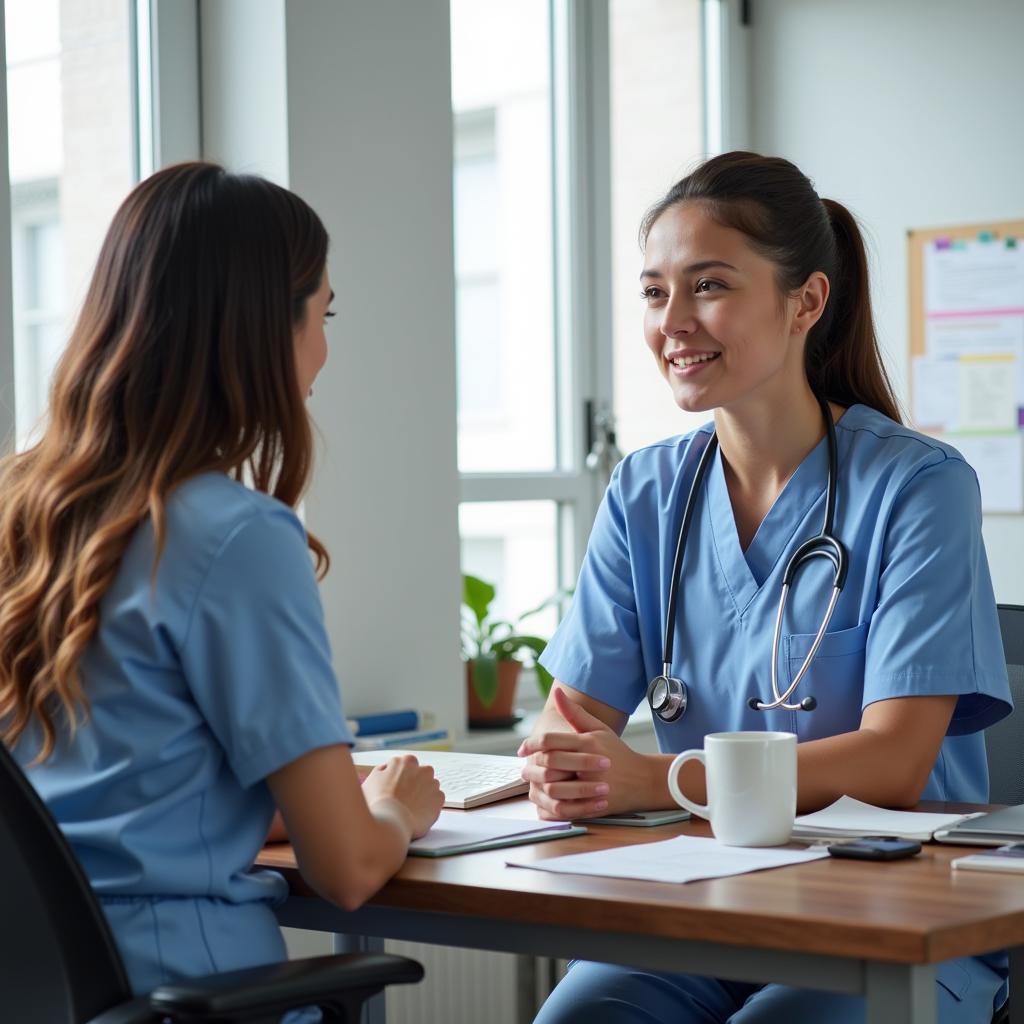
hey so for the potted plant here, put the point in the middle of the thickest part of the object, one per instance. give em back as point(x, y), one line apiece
point(493, 650)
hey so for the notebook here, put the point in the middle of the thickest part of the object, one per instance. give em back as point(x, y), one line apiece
point(848, 818)
point(993, 829)
point(454, 832)
point(468, 780)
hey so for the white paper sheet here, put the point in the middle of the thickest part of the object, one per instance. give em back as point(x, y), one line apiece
point(849, 818)
point(999, 462)
point(683, 859)
point(936, 385)
point(988, 392)
point(973, 277)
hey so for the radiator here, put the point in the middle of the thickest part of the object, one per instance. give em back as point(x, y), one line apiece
point(461, 986)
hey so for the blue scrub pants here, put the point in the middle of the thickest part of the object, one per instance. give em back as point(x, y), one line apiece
point(606, 994)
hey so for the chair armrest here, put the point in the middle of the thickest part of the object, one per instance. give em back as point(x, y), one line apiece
point(326, 981)
point(138, 1011)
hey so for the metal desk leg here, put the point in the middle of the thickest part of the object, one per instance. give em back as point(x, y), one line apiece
point(374, 1011)
point(1016, 984)
point(900, 994)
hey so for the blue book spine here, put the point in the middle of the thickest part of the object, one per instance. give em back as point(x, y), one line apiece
point(401, 740)
point(388, 721)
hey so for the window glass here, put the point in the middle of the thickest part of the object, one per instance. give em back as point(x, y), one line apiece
point(71, 159)
point(503, 240)
point(513, 545)
point(657, 135)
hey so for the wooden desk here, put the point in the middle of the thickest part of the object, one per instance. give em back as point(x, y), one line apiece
point(871, 928)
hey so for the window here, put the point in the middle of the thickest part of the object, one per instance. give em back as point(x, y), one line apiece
point(657, 130)
point(503, 235)
point(71, 156)
point(557, 155)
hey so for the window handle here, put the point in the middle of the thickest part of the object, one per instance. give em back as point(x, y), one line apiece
point(604, 454)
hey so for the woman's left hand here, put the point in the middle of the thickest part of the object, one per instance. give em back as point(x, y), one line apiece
point(585, 770)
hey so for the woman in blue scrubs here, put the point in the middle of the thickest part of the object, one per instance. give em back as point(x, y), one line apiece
point(165, 674)
point(757, 306)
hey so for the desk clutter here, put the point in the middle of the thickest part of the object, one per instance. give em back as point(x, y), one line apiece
point(399, 730)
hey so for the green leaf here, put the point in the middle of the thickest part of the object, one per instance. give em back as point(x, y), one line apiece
point(477, 596)
point(544, 679)
point(485, 679)
point(555, 599)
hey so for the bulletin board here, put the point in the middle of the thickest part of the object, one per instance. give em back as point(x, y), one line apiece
point(967, 349)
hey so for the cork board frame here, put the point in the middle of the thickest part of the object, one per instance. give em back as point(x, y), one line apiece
point(917, 239)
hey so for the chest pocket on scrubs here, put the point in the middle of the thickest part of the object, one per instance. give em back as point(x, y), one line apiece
point(835, 678)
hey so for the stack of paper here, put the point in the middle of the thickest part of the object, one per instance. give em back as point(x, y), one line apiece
point(849, 819)
point(683, 859)
point(458, 832)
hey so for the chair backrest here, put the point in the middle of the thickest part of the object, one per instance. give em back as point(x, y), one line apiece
point(58, 959)
point(1004, 741)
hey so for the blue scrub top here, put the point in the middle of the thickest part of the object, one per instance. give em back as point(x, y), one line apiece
point(201, 683)
point(916, 617)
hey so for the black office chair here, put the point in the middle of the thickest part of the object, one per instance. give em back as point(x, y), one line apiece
point(1004, 741)
point(59, 963)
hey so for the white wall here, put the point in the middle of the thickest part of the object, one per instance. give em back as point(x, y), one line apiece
point(359, 116)
point(911, 114)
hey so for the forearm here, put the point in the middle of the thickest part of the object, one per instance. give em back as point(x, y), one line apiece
point(362, 863)
point(876, 767)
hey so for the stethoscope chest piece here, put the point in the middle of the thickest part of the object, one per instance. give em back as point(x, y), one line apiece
point(667, 696)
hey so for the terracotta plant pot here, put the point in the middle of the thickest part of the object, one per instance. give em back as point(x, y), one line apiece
point(500, 711)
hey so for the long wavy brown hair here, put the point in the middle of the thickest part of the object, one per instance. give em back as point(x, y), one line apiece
point(181, 362)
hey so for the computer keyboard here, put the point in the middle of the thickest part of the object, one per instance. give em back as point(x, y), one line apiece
point(468, 780)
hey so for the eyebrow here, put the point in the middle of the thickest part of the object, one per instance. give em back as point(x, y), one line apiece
point(693, 268)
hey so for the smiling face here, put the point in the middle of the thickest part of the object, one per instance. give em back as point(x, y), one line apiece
point(310, 339)
point(715, 321)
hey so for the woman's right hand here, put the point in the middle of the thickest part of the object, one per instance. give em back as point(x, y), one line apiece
point(403, 780)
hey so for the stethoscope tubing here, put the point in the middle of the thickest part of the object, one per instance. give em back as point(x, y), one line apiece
point(666, 694)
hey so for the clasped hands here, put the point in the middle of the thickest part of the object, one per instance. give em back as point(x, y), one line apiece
point(581, 768)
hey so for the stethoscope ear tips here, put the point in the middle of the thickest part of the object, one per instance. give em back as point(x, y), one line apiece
point(808, 704)
point(754, 704)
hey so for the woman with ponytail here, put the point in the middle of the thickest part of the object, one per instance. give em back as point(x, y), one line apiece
point(757, 308)
point(165, 675)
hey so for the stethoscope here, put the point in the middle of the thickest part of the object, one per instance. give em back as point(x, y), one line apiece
point(666, 694)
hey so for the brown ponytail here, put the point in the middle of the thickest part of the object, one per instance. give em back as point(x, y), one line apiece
point(771, 202)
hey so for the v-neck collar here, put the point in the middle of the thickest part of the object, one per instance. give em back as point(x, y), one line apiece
point(747, 571)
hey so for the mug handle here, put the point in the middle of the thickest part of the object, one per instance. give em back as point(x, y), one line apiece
point(684, 801)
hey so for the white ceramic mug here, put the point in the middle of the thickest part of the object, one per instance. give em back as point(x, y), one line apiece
point(751, 784)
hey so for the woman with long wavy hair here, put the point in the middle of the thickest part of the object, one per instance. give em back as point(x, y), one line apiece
point(165, 675)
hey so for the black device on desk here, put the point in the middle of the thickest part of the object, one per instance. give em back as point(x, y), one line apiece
point(876, 848)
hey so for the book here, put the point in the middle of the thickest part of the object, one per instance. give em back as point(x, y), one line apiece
point(1005, 858)
point(407, 720)
point(993, 829)
point(848, 818)
point(468, 780)
point(421, 739)
point(458, 832)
